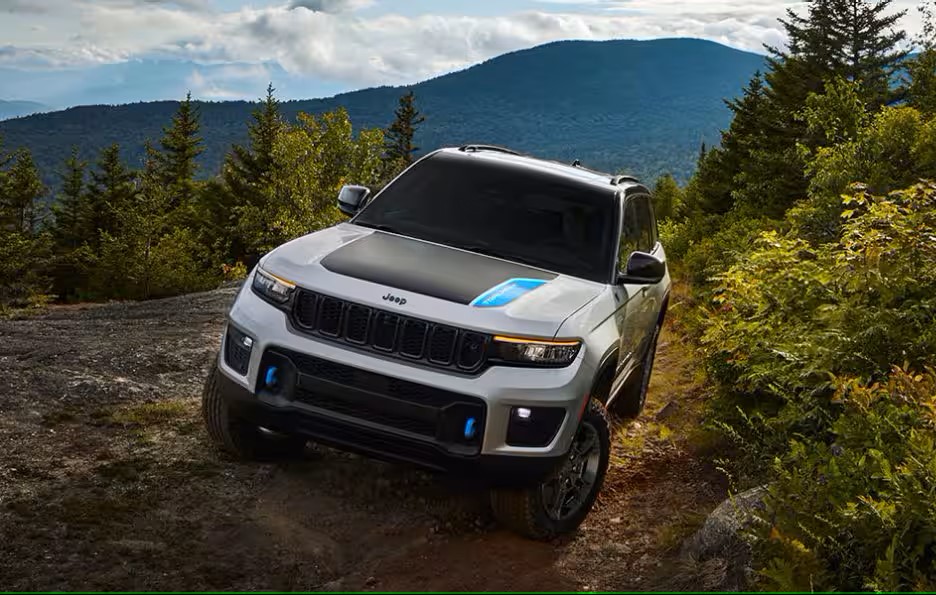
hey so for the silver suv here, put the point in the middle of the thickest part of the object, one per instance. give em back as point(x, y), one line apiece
point(478, 316)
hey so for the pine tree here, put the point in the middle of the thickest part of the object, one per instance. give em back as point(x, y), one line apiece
point(667, 198)
point(921, 88)
point(868, 42)
point(247, 169)
point(112, 189)
point(24, 250)
point(177, 162)
point(400, 134)
point(247, 179)
point(68, 209)
point(854, 39)
point(19, 208)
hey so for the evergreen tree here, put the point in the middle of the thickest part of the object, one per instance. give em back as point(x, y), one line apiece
point(247, 178)
point(176, 163)
point(112, 189)
point(68, 209)
point(667, 198)
point(921, 90)
point(19, 206)
point(400, 134)
point(854, 39)
point(24, 251)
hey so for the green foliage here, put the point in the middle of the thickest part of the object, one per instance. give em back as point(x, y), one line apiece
point(23, 282)
point(892, 150)
point(402, 131)
point(802, 341)
point(176, 164)
point(111, 192)
point(921, 69)
point(24, 250)
point(668, 200)
point(311, 161)
point(858, 508)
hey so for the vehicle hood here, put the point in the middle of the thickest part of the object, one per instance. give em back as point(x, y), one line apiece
point(430, 281)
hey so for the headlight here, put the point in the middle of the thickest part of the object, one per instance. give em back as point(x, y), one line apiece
point(535, 352)
point(273, 288)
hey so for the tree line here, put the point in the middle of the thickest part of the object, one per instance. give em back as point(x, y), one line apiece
point(809, 238)
point(118, 232)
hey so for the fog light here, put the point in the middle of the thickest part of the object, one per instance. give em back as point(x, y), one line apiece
point(523, 413)
point(247, 342)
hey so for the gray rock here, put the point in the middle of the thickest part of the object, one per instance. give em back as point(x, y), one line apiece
point(718, 556)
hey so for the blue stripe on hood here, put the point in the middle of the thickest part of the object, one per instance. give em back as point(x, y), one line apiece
point(506, 292)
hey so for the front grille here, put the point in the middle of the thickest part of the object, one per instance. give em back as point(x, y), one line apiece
point(402, 336)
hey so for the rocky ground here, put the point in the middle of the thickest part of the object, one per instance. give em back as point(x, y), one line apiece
point(108, 482)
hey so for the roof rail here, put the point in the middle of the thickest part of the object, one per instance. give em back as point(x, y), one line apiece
point(616, 180)
point(467, 148)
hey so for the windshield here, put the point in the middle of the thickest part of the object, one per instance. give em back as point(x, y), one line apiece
point(500, 210)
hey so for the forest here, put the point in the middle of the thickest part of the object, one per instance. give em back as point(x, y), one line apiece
point(806, 237)
point(809, 239)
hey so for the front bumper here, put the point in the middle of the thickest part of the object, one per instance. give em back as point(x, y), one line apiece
point(384, 443)
point(496, 390)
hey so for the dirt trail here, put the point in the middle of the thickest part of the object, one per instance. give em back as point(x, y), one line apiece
point(107, 481)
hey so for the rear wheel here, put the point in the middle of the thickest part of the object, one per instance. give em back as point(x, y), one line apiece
point(238, 437)
point(558, 504)
point(633, 396)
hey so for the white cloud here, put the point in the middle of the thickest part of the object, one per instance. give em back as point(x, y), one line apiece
point(328, 40)
point(331, 6)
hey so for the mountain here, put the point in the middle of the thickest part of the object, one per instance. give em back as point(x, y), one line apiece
point(14, 109)
point(641, 107)
point(156, 80)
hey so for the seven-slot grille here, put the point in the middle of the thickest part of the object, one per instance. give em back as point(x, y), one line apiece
point(390, 333)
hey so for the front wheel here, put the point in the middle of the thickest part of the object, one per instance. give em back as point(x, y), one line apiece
point(559, 504)
point(238, 437)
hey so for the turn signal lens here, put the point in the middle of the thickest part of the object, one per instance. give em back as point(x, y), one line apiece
point(273, 288)
point(535, 352)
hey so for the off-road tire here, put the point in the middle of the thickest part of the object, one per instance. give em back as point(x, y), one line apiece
point(633, 396)
point(524, 510)
point(240, 438)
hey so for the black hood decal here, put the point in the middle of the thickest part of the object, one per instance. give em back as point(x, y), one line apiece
point(425, 268)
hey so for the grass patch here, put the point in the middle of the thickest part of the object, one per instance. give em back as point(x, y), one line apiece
point(153, 413)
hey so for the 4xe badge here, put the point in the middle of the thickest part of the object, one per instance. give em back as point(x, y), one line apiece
point(396, 300)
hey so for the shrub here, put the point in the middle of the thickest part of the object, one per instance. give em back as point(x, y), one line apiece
point(802, 342)
point(859, 509)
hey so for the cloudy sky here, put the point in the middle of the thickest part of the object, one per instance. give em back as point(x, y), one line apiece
point(55, 50)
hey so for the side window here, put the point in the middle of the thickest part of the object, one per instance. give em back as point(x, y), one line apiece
point(645, 224)
point(630, 234)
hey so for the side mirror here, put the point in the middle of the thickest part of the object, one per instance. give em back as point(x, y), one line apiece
point(352, 198)
point(643, 269)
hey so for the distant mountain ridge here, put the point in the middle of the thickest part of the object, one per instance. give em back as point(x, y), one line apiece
point(641, 107)
point(15, 109)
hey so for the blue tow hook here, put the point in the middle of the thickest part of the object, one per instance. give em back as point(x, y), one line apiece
point(471, 428)
point(270, 378)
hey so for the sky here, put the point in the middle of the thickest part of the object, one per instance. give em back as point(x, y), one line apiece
point(70, 51)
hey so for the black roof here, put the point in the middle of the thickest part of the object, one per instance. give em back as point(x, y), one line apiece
point(570, 172)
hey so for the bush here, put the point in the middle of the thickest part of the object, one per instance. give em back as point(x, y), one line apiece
point(802, 341)
point(857, 511)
